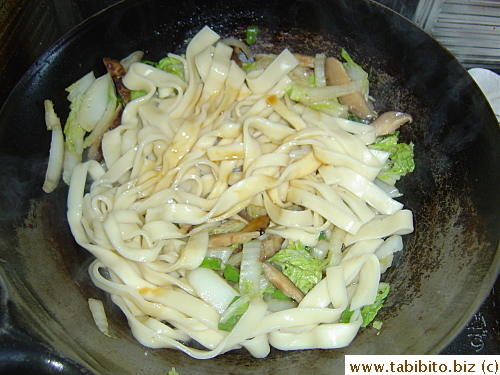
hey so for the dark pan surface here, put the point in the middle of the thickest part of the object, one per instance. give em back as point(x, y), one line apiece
point(439, 281)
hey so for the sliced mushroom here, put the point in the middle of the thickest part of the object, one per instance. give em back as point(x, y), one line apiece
point(389, 122)
point(117, 72)
point(335, 72)
point(244, 214)
point(260, 223)
point(305, 60)
point(282, 282)
point(337, 75)
point(270, 246)
point(227, 239)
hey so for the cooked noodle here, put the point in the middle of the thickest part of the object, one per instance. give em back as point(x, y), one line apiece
point(191, 154)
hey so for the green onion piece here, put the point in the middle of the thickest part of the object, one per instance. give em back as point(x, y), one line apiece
point(212, 263)
point(231, 273)
point(252, 35)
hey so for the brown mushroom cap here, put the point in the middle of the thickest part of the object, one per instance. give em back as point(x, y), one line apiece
point(389, 122)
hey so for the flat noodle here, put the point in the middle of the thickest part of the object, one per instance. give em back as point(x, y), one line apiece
point(191, 154)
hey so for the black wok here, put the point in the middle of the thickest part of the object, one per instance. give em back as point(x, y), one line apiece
point(441, 278)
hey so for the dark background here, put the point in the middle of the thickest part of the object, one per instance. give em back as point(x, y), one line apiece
point(33, 26)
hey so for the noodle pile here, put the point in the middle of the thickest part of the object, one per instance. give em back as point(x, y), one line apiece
point(189, 156)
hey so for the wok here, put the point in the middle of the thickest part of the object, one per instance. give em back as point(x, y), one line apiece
point(449, 263)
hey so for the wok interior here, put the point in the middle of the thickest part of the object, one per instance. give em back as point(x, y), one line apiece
point(448, 264)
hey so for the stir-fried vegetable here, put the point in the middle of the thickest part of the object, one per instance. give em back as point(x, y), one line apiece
point(97, 309)
point(400, 160)
point(56, 156)
point(251, 35)
point(231, 273)
point(212, 263)
point(304, 270)
point(369, 312)
point(171, 65)
point(243, 261)
point(233, 313)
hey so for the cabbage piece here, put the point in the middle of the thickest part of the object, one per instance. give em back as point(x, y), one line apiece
point(73, 135)
point(56, 154)
point(80, 86)
point(275, 293)
point(91, 99)
point(304, 270)
point(332, 108)
point(401, 158)
point(94, 102)
point(227, 226)
point(233, 313)
point(370, 312)
point(319, 70)
point(310, 95)
point(356, 72)
point(97, 309)
point(250, 269)
point(211, 288)
point(134, 94)
point(171, 65)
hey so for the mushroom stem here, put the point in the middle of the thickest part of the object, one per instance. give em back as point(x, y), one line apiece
point(305, 60)
point(260, 223)
point(227, 239)
point(337, 75)
point(282, 282)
